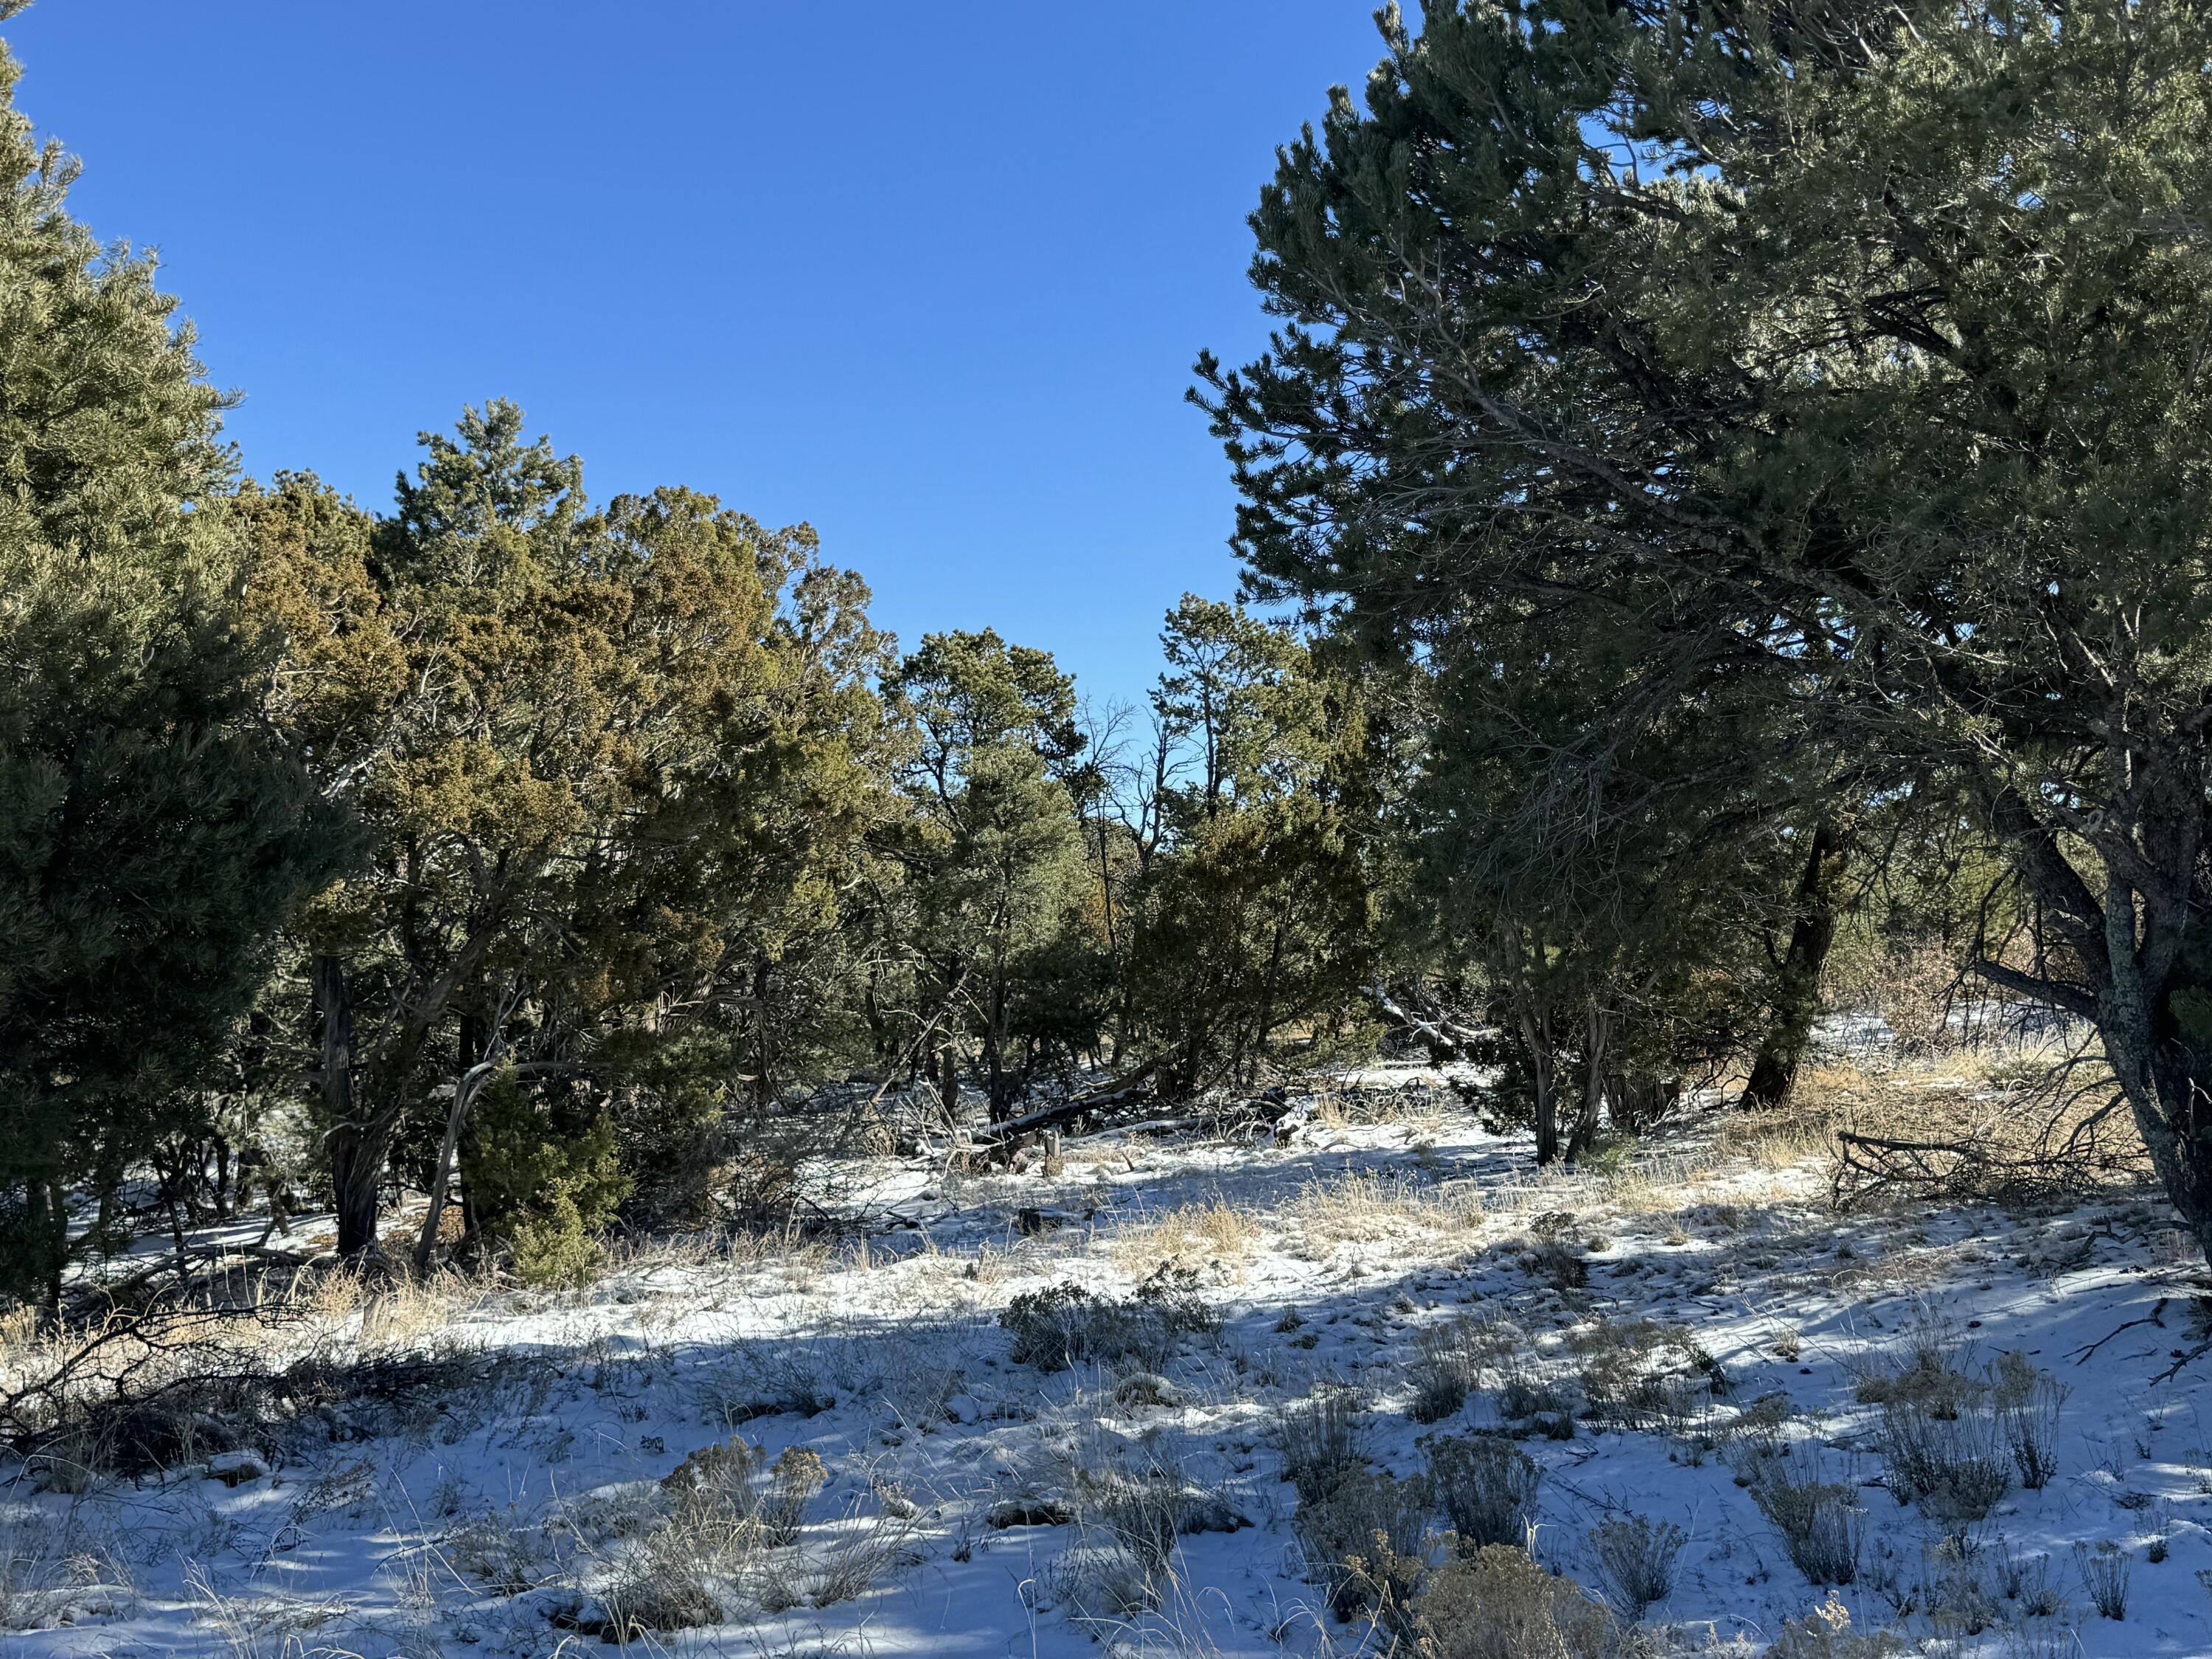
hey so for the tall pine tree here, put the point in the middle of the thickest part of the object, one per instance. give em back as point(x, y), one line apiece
point(152, 835)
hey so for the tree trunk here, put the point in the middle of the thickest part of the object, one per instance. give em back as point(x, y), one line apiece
point(948, 1083)
point(1596, 1027)
point(2169, 1089)
point(1798, 988)
point(994, 1060)
point(763, 1058)
point(357, 1154)
point(465, 1094)
point(1536, 1038)
point(56, 1206)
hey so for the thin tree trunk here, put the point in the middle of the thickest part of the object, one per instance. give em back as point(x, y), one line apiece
point(1798, 988)
point(465, 1094)
point(357, 1154)
point(56, 1204)
point(1597, 1028)
point(1536, 1038)
point(994, 1059)
point(763, 1059)
point(948, 1083)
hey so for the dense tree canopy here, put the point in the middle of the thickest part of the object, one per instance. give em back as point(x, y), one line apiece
point(152, 836)
point(1848, 359)
point(1727, 488)
point(614, 767)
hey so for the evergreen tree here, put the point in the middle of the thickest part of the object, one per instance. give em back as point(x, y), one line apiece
point(997, 862)
point(1854, 353)
point(617, 767)
point(1261, 911)
point(152, 836)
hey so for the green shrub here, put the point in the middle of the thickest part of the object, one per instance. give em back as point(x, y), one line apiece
point(554, 1249)
point(1065, 1325)
point(545, 1176)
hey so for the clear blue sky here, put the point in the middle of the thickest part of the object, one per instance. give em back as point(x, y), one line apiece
point(930, 277)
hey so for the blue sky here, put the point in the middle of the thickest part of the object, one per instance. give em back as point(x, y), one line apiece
point(930, 277)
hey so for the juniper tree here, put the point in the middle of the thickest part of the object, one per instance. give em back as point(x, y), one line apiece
point(1259, 911)
point(1854, 351)
point(153, 836)
point(615, 768)
point(998, 871)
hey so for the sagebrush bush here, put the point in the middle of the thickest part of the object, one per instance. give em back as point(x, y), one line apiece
point(2028, 1402)
point(1530, 1398)
point(1066, 1325)
point(1321, 1441)
point(1485, 1488)
point(1643, 1373)
point(2107, 1572)
point(1636, 1559)
point(1448, 1365)
point(658, 1589)
point(1826, 1633)
point(505, 1553)
point(1362, 1540)
point(1946, 1454)
point(1822, 1526)
point(796, 1476)
point(1498, 1604)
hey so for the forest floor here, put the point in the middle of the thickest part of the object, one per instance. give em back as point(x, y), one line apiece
point(459, 1467)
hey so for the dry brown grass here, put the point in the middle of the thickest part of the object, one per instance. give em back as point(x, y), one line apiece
point(1212, 1233)
point(2011, 1122)
point(1341, 1105)
point(1364, 1207)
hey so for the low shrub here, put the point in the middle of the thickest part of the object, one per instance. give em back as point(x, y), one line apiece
point(794, 1479)
point(1066, 1325)
point(2028, 1402)
point(1321, 1441)
point(658, 1589)
point(1362, 1540)
point(1443, 1370)
point(1826, 1633)
point(1498, 1604)
point(1636, 1559)
point(2107, 1572)
point(1947, 1453)
point(1822, 1526)
point(1485, 1488)
point(1643, 1373)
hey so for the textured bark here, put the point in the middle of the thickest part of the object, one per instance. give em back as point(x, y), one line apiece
point(1797, 988)
point(1543, 1071)
point(356, 1157)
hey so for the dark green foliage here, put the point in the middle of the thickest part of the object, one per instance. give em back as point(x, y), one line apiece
point(1257, 913)
point(1842, 366)
point(542, 1168)
point(1261, 918)
point(152, 835)
point(617, 769)
point(998, 883)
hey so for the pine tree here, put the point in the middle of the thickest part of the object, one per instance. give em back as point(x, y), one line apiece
point(997, 865)
point(153, 836)
point(1855, 354)
point(1261, 910)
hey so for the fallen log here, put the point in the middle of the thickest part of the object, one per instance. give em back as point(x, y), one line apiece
point(1122, 1090)
point(1444, 1037)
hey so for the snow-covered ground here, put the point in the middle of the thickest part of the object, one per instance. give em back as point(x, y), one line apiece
point(510, 1492)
